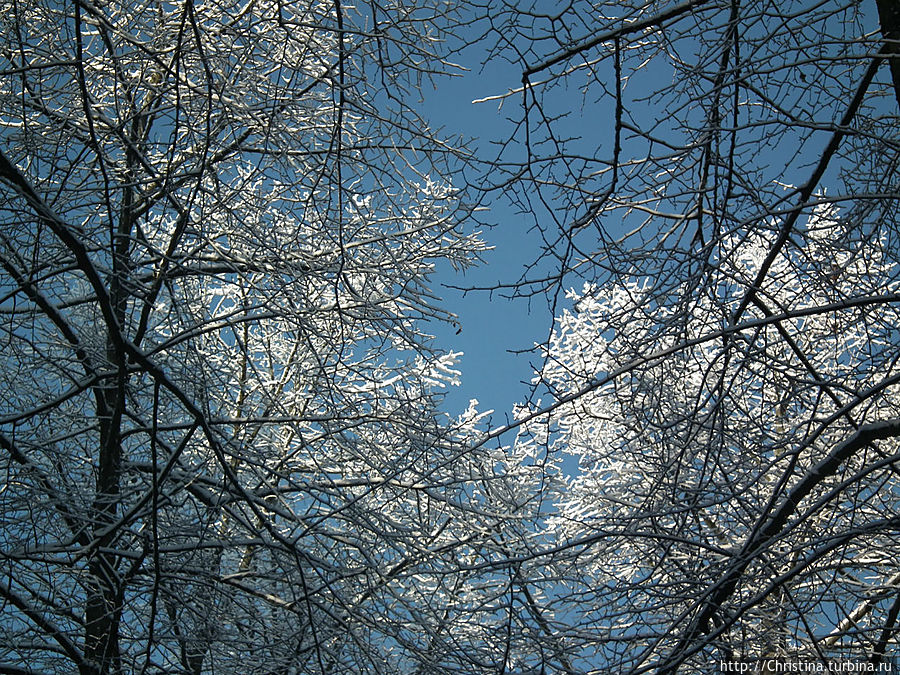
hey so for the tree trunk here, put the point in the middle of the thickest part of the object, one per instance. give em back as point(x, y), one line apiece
point(889, 18)
point(103, 611)
point(103, 605)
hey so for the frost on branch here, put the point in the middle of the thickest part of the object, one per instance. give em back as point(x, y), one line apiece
point(688, 428)
point(219, 224)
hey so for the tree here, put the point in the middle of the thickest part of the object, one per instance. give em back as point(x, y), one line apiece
point(219, 432)
point(719, 181)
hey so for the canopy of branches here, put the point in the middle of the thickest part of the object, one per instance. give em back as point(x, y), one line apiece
point(221, 433)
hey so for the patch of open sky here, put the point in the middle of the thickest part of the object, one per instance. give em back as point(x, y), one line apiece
point(495, 332)
point(498, 332)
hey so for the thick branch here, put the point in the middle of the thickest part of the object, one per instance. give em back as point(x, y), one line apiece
point(807, 190)
point(50, 629)
point(626, 29)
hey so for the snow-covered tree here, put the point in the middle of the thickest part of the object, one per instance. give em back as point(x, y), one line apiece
point(725, 373)
point(722, 480)
point(217, 393)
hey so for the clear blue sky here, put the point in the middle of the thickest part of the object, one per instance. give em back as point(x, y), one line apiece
point(491, 325)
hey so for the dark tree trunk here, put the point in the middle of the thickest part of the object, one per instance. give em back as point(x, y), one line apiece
point(889, 17)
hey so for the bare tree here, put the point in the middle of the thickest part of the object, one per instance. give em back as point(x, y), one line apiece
point(718, 181)
point(220, 446)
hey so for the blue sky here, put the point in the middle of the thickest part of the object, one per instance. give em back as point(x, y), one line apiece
point(492, 326)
